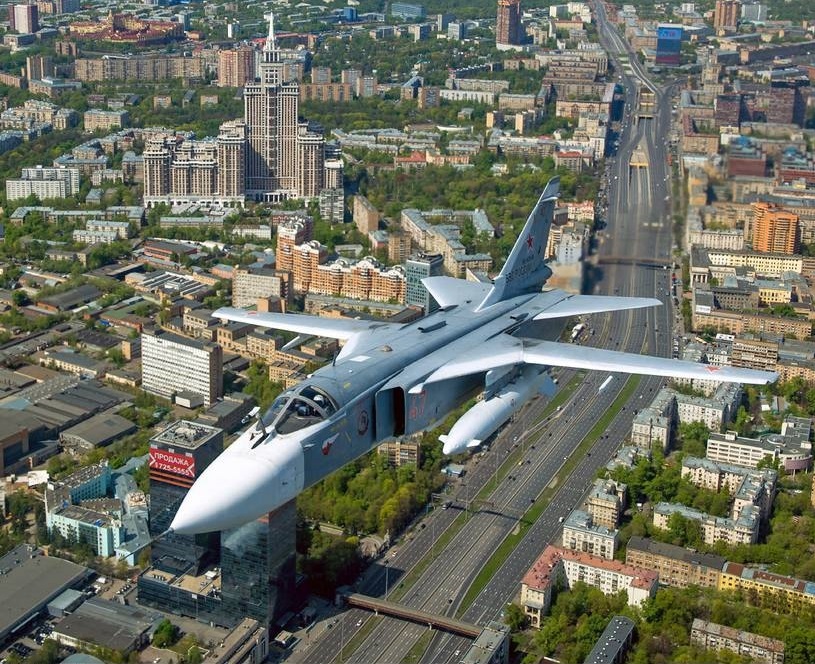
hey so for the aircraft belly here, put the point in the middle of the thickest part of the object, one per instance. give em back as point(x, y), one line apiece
point(436, 401)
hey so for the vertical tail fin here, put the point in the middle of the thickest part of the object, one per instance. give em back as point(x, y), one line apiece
point(525, 270)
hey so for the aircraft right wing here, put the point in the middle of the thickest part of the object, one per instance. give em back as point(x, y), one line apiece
point(507, 350)
point(555, 354)
point(349, 330)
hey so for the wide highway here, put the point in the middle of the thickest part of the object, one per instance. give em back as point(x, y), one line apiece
point(638, 229)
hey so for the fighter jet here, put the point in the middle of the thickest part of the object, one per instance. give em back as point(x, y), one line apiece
point(391, 380)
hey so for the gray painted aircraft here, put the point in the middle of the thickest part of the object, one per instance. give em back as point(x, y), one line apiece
point(392, 380)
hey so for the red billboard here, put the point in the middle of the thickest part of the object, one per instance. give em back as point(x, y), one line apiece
point(170, 462)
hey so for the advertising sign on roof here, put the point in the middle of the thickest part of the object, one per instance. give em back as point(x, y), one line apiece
point(170, 462)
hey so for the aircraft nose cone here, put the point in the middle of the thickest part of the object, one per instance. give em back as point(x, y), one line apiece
point(234, 490)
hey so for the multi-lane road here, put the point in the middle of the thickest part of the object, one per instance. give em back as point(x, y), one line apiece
point(638, 229)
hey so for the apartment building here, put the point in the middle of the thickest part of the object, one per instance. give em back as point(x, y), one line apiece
point(784, 594)
point(747, 486)
point(676, 566)
point(792, 447)
point(98, 120)
point(756, 648)
point(401, 452)
point(606, 502)
point(743, 529)
point(103, 532)
point(654, 426)
point(249, 284)
point(366, 216)
point(558, 566)
point(236, 67)
point(580, 533)
point(44, 182)
point(775, 230)
point(140, 68)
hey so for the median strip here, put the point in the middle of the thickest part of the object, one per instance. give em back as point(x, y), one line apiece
point(512, 540)
point(447, 536)
point(359, 637)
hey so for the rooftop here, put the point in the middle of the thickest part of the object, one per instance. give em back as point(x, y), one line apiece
point(29, 580)
point(773, 645)
point(185, 434)
point(770, 579)
point(72, 298)
point(109, 624)
point(690, 556)
point(539, 575)
point(614, 638)
point(100, 429)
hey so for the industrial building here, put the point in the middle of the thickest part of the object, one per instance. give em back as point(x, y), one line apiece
point(29, 582)
point(112, 625)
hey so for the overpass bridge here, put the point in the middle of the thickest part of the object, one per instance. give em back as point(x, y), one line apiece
point(658, 263)
point(395, 610)
point(647, 104)
point(639, 159)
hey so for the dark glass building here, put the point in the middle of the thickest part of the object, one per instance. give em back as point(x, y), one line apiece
point(218, 577)
point(669, 45)
point(258, 566)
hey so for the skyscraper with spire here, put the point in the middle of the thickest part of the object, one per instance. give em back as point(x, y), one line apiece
point(270, 111)
point(270, 156)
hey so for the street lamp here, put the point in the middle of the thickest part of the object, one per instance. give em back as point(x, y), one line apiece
point(386, 577)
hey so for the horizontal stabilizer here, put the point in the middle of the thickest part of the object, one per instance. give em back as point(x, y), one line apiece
point(554, 354)
point(591, 304)
point(448, 291)
point(346, 329)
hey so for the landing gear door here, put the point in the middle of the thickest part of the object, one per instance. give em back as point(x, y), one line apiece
point(390, 413)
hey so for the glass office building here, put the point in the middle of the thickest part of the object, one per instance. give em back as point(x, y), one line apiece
point(669, 45)
point(258, 566)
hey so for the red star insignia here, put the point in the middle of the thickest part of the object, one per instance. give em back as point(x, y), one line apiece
point(529, 241)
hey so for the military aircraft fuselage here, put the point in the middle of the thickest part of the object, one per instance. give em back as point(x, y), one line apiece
point(372, 387)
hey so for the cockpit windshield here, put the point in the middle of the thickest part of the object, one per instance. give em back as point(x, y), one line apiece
point(296, 410)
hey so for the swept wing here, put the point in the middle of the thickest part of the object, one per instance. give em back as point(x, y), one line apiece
point(506, 350)
point(353, 332)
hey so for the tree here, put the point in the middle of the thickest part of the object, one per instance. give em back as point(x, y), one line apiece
point(47, 654)
point(117, 357)
point(515, 617)
point(166, 634)
point(194, 655)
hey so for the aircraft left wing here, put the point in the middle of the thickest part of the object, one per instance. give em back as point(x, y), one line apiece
point(505, 351)
point(346, 329)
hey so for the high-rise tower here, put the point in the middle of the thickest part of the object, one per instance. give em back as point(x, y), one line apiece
point(269, 156)
point(508, 24)
point(270, 111)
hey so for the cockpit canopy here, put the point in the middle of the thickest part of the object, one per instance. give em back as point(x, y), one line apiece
point(299, 408)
